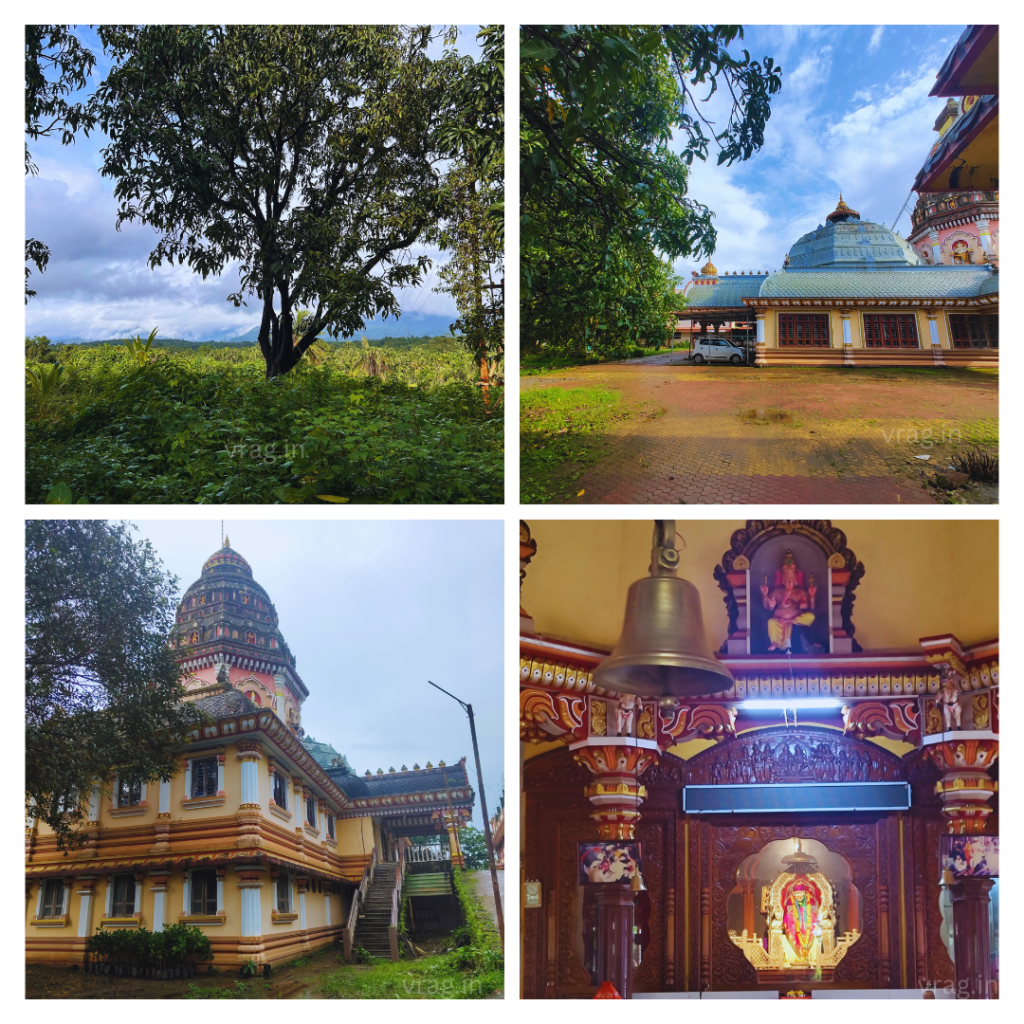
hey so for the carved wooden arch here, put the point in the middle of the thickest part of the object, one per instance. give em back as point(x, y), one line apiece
point(779, 753)
point(831, 540)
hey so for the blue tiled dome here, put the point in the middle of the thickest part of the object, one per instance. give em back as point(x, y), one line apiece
point(845, 242)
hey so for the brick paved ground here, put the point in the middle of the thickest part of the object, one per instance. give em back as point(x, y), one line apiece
point(835, 449)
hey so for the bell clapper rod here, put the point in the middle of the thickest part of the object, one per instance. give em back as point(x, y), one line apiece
point(664, 556)
point(499, 913)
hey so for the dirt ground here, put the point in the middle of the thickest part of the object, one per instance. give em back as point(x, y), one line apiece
point(784, 434)
point(60, 982)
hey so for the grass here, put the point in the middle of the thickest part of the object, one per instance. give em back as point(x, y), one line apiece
point(538, 361)
point(557, 435)
point(364, 425)
point(240, 990)
point(466, 973)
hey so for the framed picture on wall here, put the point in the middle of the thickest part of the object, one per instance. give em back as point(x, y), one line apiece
point(608, 862)
point(971, 856)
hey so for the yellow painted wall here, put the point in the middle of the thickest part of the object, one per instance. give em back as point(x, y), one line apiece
point(355, 836)
point(922, 578)
point(232, 790)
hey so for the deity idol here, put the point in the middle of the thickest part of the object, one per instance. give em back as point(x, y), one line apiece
point(801, 924)
point(788, 602)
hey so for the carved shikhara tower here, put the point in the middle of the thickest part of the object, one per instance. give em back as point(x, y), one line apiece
point(227, 624)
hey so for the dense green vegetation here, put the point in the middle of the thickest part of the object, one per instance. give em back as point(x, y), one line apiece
point(604, 211)
point(363, 423)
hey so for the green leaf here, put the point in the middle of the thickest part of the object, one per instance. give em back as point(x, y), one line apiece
point(60, 494)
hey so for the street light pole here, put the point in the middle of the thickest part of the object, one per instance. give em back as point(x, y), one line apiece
point(483, 807)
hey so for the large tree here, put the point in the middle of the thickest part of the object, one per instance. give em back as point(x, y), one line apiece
point(102, 691)
point(56, 66)
point(302, 152)
point(601, 185)
point(470, 228)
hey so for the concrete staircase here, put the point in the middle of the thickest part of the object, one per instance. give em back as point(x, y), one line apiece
point(432, 883)
point(375, 914)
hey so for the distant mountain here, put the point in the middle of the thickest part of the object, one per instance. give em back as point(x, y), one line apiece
point(415, 325)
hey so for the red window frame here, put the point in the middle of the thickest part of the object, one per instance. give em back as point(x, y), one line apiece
point(804, 330)
point(974, 330)
point(890, 330)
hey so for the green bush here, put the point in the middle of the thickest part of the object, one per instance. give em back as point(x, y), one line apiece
point(177, 945)
point(207, 427)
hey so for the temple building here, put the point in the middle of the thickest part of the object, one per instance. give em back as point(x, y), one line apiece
point(265, 838)
point(775, 778)
point(853, 293)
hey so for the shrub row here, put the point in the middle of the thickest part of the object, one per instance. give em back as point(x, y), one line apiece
point(174, 952)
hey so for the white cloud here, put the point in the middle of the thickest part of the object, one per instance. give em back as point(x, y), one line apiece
point(876, 39)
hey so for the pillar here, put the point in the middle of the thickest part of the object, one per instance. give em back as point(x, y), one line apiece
point(250, 753)
point(965, 787)
point(844, 315)
point(971, 930)
point(747, 887)
point(615, 908)
point(759, 346)
point(159, 891)
point(933, 239)
point(615, 793)
point(85, 891)
point(933, 332)
point(250, 883)
point(965, 790)
point(303, 884)
point(985, 235)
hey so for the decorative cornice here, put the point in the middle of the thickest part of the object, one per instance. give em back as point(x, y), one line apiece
point(910, 303)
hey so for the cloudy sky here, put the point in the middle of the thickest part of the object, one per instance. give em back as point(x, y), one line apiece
point(98, 283)
point(853, 114)
point(371, 611)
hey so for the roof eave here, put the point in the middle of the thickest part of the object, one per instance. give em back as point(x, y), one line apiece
point(959, 62)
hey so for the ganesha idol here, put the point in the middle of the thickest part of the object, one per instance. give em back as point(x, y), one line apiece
point(789, 602)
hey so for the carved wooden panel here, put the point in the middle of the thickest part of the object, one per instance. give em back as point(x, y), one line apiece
point(793, 755)
point(650, 975)
point(940, 967)
point(694, 862)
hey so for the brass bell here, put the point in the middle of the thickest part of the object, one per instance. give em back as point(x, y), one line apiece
point(663, 651)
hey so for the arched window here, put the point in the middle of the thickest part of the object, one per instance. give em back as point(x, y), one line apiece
point(273, 642)
point(250, 637)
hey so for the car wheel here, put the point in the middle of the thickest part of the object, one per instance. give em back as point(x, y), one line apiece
point(698, 358)
point(736, 359)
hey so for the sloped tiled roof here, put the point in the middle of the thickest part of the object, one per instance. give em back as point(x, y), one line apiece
point(226, 705)
point(728, 292)
point(948, 282)
point(392, 784)
point(991, 286)
point(323, 753)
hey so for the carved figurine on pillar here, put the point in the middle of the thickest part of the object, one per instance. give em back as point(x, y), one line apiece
point(949, 697)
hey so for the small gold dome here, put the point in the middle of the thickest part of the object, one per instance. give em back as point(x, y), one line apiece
point(709, 269)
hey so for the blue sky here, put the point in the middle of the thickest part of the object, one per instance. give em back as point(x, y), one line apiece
point(98, 283)
point(371, 611)
point(853, 114)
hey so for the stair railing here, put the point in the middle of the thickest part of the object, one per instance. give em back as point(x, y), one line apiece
point(357, 901)
point(396, 904)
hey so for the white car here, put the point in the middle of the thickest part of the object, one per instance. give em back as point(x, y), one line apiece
point(716, 350)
